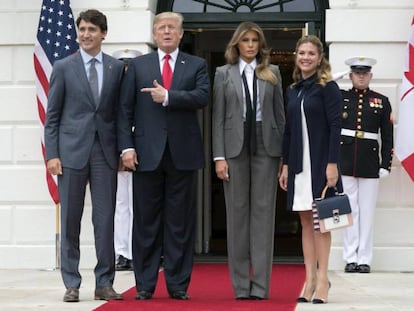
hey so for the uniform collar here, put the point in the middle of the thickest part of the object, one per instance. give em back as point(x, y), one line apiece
point(359, 91)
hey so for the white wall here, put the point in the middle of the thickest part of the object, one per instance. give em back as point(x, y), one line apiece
point(378, 29)
point(27, 214)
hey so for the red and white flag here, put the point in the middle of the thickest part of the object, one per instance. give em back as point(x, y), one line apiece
point(56, 39)
point(404, 147)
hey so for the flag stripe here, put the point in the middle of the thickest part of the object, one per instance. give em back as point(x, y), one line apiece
point(51, 181)
point(41, 77)
point(41, 110)
point(56, 39)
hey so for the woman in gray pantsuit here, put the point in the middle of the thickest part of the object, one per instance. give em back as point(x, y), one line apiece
point(247, 146)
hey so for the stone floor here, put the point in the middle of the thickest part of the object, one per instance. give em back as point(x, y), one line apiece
point(22, 290)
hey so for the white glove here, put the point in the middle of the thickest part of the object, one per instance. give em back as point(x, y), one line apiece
point(383, 173)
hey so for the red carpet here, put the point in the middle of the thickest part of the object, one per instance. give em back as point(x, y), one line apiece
point(210, 289)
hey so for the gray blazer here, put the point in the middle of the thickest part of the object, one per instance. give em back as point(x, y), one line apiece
point(73, 119)
point(228, 122)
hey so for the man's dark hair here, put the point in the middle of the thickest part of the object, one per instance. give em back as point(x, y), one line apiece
point(95, 17)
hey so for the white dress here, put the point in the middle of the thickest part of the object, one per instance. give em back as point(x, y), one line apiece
point(303, 198)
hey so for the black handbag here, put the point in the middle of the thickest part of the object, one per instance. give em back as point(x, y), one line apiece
point(331, 213)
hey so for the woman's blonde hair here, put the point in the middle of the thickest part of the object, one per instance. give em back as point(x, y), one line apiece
point(323, 71)
point(232, 53)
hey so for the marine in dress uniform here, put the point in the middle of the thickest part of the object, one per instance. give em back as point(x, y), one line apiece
point(366, 156)
point(124, 208)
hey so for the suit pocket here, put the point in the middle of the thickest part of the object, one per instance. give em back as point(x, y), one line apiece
point(228, 121)
point(68, 129)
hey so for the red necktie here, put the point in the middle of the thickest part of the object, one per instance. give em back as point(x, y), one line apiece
point(166, 72)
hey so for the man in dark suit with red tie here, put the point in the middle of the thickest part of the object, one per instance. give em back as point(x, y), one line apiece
point(160, 97)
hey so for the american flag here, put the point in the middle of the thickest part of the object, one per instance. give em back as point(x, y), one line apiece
point(56, 39)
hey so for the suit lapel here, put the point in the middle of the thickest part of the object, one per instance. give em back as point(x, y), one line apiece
point(179, 70)
point(262, 91)
point(154, 64)
point(81, 76)
point(237, 82)
point(107, 75)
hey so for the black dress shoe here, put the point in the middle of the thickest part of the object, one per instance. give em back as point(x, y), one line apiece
point(143, 295)
point(364, 269)
point(242, 298)
point(351, 267)
point(123, 264)
point(71, 295)
point(254, 297)
point(107, 293)
point(179, 295)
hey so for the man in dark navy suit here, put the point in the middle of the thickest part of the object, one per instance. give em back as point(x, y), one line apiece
point(160, 97)
point(366, 156)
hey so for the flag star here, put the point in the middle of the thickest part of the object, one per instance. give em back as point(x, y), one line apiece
point(54, 33)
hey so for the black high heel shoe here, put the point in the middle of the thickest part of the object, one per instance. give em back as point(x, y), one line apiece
point(321, 300)
point(303, 298)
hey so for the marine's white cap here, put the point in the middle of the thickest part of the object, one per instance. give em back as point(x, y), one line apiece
point(126, 54)
point(360, 63)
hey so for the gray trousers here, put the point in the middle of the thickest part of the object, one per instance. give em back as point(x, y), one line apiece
point(72, 186)
point(250, 197)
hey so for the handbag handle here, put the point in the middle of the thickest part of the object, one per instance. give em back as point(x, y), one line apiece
point(326, 189)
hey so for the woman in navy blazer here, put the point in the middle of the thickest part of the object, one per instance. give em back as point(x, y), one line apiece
point(310, 155)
